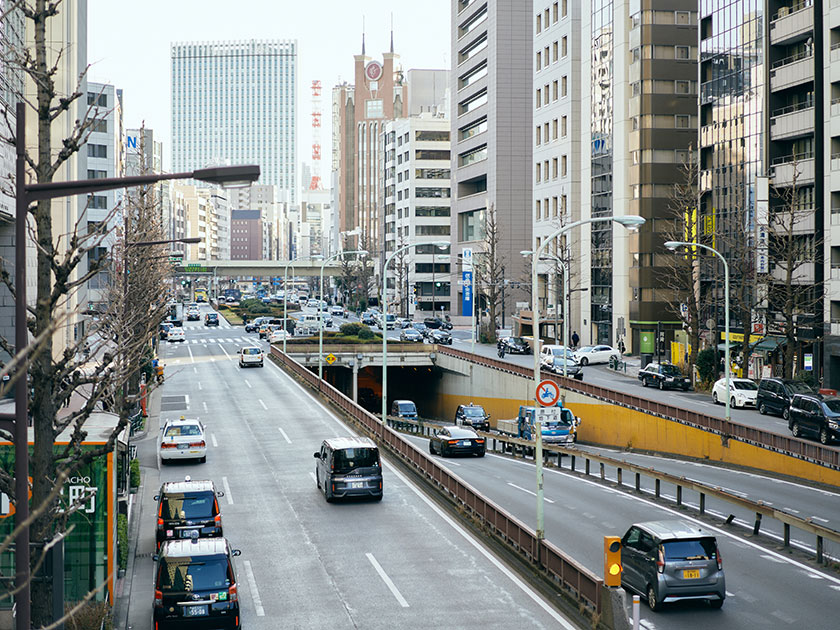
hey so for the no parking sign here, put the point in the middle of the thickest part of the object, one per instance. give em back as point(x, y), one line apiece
point(548, 393)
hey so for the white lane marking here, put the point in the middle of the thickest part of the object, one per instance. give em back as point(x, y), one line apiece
point(390, 584)
point(229, 340)
point(312, 474)
point(187, 400)
point(787, 509)
point(534, 596)
point(533, 494)
point(255, 594)
point(262, 403)
point(247, 383)
point(192, 358)
point(204, 404)
point(680, 515)
point(821, 520)
point(285, 437)
point(213, 439)
point(446, 462)
point(225, 351)
point(228, 495)
point(199, 385)
point(195, 370)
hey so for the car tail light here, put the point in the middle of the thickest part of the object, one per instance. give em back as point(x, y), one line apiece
point(200, 444)
point(158, 598)
point(233, 593)
point(719, 558)
point(660, 560)
point(453, 442)
point(217, 520)
point(160, 515)
point(160, 523)
point(168, 445)
point(479, 441)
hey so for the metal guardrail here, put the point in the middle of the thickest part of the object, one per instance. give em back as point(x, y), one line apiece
point(574, 579)
point(794, 447)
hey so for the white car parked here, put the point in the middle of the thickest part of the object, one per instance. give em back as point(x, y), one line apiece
point(176, 334)
point(182, 439)
point(743, 392)
point(549, 352)
point(251, 355)
point(589, 355)
point(277, 335)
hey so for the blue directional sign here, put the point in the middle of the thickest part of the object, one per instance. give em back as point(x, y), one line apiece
point(467, 293)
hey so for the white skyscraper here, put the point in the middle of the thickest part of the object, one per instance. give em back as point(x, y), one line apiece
point(236, 103)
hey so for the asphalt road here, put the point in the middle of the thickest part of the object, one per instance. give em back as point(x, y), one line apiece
point(305, 563)
point(765, 588)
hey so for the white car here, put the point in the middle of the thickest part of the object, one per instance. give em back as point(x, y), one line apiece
point(337, 311)
point(589, 355)
point(277, 335)
point(176, 334)
point(743, 392)
point(549, 352)
point(251, 355)
point(182, 439)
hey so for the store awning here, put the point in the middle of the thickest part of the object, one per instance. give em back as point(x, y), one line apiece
point(768, 344)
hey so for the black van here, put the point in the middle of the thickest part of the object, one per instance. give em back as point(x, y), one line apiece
point(195, 585)
point(349, 467)
point(185, 507)
point(774, 395)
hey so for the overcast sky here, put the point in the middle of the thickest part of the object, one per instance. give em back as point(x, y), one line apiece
point(128, 46)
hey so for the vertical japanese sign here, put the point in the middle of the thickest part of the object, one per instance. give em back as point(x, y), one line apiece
point(467, 293)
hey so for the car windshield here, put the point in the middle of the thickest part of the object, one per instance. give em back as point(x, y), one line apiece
point(212, 316)
point(251, 351)
point(671, 370)
point(748, 386)
point(586, 349)
point(390, 318)
point(698, 549)
point(183, 429)
point(348, 459)
point(797, 387)
point(474, 412)
point(568, 361)
point(516, 340)
point(188, 574)
point(832, 405)
point(407, 408)
point(179, 507)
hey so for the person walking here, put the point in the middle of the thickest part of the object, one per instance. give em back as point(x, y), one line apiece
point(575, 340)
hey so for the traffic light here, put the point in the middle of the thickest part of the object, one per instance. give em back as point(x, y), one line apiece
point(612, 561)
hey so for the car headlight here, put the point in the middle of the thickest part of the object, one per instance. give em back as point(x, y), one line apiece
point(670, 378)
point(832, 424)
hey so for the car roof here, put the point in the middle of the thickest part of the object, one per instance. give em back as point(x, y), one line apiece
point(339, 443)
point(399, 402)
point(668, 530)
point(194, 547)
point(250, 348)
point(181, 421)
point(456, 431)
point(199, 485)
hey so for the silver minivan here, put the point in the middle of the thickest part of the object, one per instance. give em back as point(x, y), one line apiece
point(349, 467)
point(669, 561)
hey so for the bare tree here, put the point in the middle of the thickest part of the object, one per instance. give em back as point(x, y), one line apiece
point(489, 277)
point(401, 269)
point(61, 372)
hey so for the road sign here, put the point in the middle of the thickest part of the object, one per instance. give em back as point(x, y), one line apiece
point(809, 362)
point(330, 358)
point(467, 257)
point(548, 393)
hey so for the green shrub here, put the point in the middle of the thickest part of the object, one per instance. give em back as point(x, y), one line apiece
point(366, 333)
point(707, 365)
point(134, 469)
point(807, 377)
point(122, 540)
point(351, 329)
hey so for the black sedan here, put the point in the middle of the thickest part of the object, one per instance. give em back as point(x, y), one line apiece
point(368, 319)
point(163, 331)
point(572, 368)
point(516, 345)
point(437, 322)
point(456, 441)
point(411, 334)
point(421, 328)
point(440, 336)
point(211, 319)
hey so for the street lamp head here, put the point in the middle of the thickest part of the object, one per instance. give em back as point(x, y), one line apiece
point(192, 240)
point(630, 220)
point(441, 244)
point(229, 176)
point(527, 252)
point(672, 245)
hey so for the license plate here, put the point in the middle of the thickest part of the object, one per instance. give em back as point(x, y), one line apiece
point(183, 447)
point(185, 533)
point(195, 611)
point(357, 484)
point(464, 443)
point(691, 574)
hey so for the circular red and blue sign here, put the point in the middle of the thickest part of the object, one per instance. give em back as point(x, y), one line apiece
point(548, 393)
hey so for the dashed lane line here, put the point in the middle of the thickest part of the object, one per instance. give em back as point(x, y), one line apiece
point(228, 494)
point(213, 439)
point(388, 582)
point(285, 437)
point(255, 594)
point(533, 494)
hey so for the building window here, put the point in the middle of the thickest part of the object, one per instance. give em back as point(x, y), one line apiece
point(471, 157)
point(473, 75)
point(682, 87)
point(545, 131)
point(431, 173)
point(539, 135)
point(94, 98)
point(683, 18)
point(563, 126)
point(682, 121)
point(538, 209)
point(555, 12)
point(431, 230)
point(94, 174)
point(545, 94)
point(472, 103)
point(554, 129)
point(471, 225)
point(565, 8)
point(565, 90)
point(636, 88)
point(555, 89)
point(682, 52)
point(555, 51)
point(564, 166)
point(563, 204)
point(554, 168)
point(98, 202)
point(539, 23)
point(100, 125)
point(425, 135)
point(554, 206)
point(97, 150)
point(565, 46)
point(539, 98)
point(430, 211)
point(430, 154)
point(374, 108)
point(538, 170)
point(473, 129)
point(473, 49)
point(539, 60)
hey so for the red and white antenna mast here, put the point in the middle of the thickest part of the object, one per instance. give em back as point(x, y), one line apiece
point(315, 183)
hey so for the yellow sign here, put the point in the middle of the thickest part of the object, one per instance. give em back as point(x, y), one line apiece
point(331, 358)
point(739, 337)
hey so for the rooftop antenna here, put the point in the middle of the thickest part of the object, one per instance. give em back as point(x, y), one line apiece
point(363, 35)
point(392, 32)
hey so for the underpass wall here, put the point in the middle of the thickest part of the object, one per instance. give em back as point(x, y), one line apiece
point(609, 424)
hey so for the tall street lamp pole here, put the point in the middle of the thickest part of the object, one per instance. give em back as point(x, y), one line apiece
point(26, 194)
point(360, 252)
point(565, 314)
point(439, 244)
point(631, 221)
point(673, 245)
point(286, 294)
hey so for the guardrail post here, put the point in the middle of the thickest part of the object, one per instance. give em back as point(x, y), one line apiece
point(573, 463)
point(757, 525)
point(702, 503)
point(787, 534)
point(679, 495)
point(820, 549)
point(618, 476)
point(638, 482)
point(602, 470)
point(587, 466)
point(657, 488)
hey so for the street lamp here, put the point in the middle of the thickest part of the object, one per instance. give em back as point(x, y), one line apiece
point(231, 176)
point(673, 245)
point(439, 245)
point(565, 314)
point(628, 221)
point(360, 252)
point(286, 294)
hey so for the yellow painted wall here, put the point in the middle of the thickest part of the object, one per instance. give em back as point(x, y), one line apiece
point(613, 425)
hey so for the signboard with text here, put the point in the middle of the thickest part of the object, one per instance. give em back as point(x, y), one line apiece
point(467, 299)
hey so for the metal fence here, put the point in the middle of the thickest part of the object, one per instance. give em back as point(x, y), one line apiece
point(794, 447)
point(574, 579)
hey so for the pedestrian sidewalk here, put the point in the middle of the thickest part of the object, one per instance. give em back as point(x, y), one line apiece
point(133, 592)
point(629, 366)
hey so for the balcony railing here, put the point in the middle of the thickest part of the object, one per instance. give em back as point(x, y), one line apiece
point(792, 59)
point(793, 8)
point(789, 109)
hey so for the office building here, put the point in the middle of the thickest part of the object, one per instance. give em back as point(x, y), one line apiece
point(236, 103)
point(208, 217)
point(492, 132)
point(250, 236)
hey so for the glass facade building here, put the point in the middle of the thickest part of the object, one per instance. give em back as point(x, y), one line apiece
point(236, 103)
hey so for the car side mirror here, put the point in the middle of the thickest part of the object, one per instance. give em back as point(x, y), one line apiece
point(236, 552)
point(316, 455)
point(157, 497)
point(220, 493)
point(155, 557)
